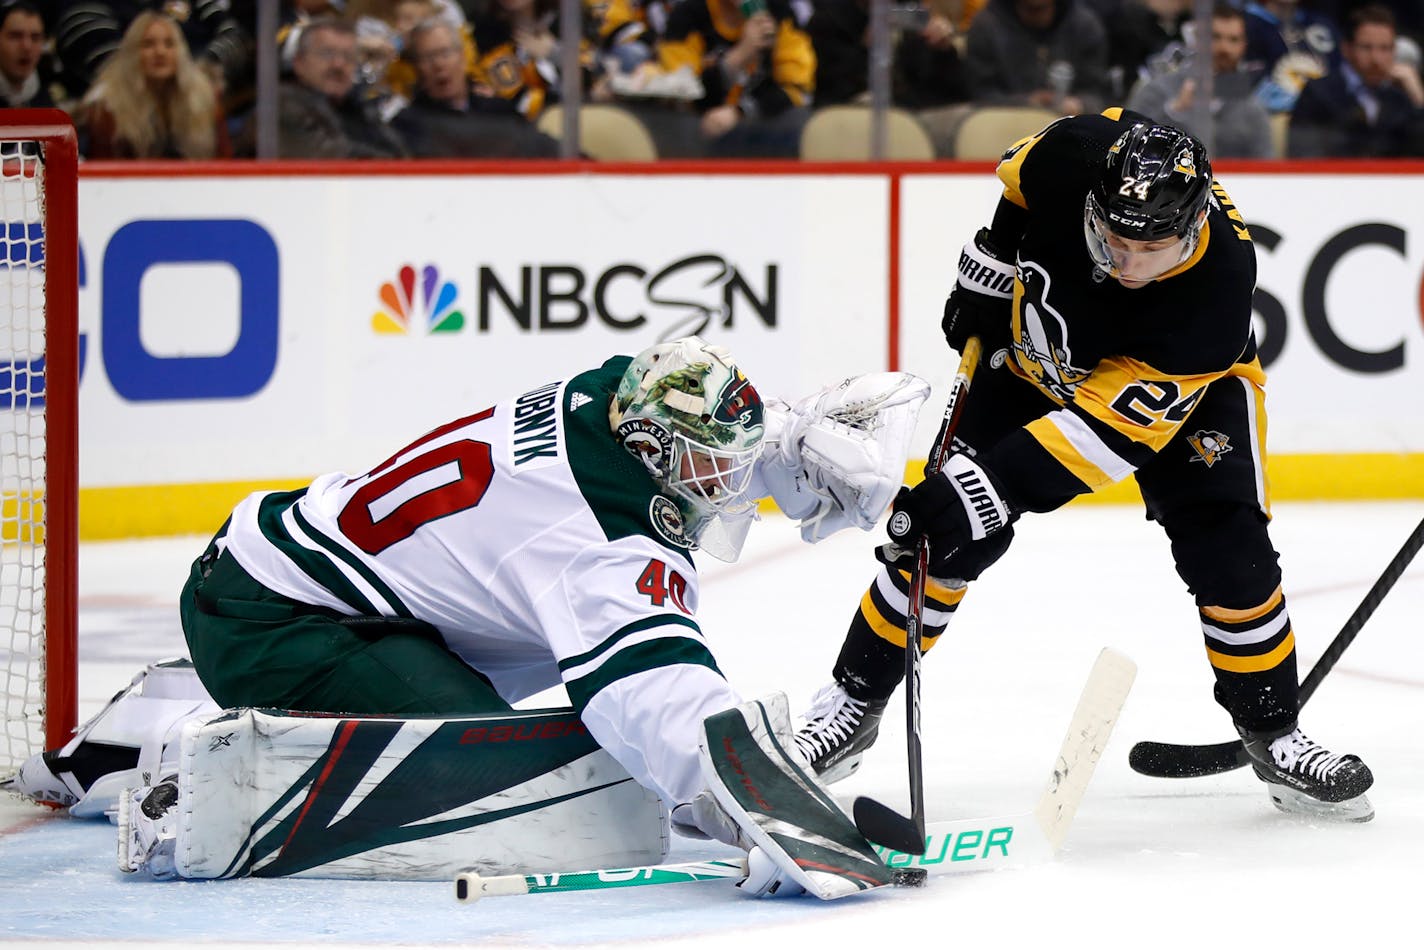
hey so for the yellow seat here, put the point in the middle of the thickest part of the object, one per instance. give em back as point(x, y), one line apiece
point(842, 133)
point(607, 133)
point(988, 130)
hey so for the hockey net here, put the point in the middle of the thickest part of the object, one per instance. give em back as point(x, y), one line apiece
point(39, 261)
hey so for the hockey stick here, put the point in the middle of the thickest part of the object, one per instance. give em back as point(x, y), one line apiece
point(967, 844)
point(1169, 760)
point(878, 822)
point(471, 886)
point(979, 844)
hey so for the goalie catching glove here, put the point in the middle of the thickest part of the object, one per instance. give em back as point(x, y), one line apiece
point(982, 301)
point(962, 512)
point(838, 456)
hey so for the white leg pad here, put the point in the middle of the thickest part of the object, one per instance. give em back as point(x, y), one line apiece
point(267, 794)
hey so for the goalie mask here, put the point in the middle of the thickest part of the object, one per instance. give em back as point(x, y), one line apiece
point(696, 423)
point(1144, 214)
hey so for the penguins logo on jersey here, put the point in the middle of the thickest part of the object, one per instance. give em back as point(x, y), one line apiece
point(666, 519)
point(1209, 446)
point(649, 442)
point(1042, 349)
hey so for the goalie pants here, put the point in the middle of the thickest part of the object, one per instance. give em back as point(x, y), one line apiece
point(1210, 497)
point(254, 647)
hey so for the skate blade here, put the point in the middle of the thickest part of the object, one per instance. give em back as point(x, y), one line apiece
point(1357, 809)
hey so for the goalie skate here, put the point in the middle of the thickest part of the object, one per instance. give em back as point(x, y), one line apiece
point(147, 829)
point(838, 731)
point(1305, 778)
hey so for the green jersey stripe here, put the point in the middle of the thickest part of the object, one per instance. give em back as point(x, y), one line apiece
point(636, 626)
point(353, 562)
point(652, 655)
point(309, 562)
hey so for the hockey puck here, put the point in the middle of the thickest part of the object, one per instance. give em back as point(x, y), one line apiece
point(908, 877)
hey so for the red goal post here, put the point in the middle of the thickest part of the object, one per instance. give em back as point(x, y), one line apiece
point(39, 434)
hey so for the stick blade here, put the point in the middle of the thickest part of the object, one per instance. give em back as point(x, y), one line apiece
point(1088, 733)
point(1169, 760)
point(888, 828)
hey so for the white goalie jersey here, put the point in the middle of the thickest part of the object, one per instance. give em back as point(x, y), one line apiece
point(539, 548)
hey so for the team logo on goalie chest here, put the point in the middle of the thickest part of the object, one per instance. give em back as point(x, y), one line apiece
point(1208, 446)
point(667, 521)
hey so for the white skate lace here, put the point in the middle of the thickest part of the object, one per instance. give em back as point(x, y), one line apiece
point(833, 718)
point(1296, 752)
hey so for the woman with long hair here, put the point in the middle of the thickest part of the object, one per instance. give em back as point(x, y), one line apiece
point(151, 100)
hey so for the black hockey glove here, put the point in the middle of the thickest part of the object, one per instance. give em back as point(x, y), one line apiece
point(955, 508)
point(981, 303)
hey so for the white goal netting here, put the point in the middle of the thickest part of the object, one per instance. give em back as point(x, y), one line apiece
point(22, 453)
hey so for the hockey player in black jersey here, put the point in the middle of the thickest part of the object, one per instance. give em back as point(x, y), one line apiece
point(1114, 285)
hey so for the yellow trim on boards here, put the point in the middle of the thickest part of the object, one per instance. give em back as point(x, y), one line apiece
point(150, 511)
point(138, 511)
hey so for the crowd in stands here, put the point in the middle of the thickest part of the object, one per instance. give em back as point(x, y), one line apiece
point(176, 79)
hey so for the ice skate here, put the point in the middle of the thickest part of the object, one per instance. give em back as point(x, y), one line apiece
point(838, 730)
point(148, 827)
point(1305, 778)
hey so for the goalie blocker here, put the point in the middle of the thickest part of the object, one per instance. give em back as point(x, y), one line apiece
point(266, 794)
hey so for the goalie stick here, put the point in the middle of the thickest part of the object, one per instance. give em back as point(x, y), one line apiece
point(967, 844)
point(880, 823)
point(471, 886)
point(1170, 760)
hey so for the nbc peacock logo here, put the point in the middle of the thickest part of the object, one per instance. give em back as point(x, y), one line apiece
point(409, 306)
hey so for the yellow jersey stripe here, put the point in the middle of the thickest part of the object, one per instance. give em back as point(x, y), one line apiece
point(887, 631)
point(1253, 664)
point(1229, 615)
point(1067, 454)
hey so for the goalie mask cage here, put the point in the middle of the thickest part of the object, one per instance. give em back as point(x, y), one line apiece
point(39, 384)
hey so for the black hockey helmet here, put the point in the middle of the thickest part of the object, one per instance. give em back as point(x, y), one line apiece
point(1155, 184)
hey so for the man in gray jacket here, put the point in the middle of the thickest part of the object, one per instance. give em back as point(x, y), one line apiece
point(1241, 126)
point(1047, 53)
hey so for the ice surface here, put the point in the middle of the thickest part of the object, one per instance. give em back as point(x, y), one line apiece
point(1148, 861)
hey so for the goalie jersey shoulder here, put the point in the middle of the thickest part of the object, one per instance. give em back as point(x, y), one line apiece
point(617, 488)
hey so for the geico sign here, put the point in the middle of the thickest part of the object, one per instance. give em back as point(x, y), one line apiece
point(1318, 324)
point(139, 375)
